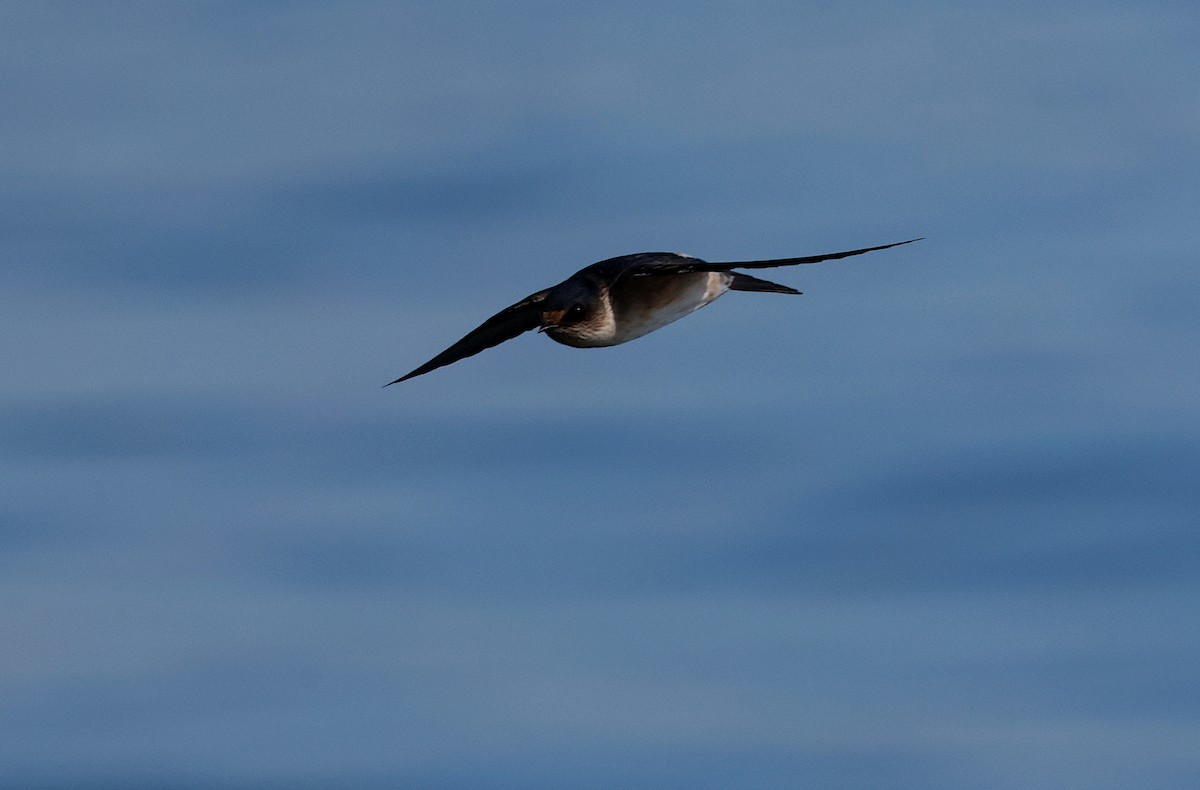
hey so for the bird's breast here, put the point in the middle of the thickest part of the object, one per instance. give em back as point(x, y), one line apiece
point(641, 305)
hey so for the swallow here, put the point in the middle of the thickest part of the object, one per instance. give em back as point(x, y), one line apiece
point(620, 299)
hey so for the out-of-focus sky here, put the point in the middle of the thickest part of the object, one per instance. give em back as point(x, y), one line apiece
point(932, 524)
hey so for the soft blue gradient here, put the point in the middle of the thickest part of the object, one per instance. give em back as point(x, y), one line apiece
point(931, 525)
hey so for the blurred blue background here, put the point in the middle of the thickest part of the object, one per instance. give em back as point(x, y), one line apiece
point(932, 524)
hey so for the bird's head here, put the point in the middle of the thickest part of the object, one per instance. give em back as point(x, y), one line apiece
point(568, 304)
point(574, 313)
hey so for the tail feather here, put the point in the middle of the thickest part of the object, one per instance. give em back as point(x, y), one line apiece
point(744, 282)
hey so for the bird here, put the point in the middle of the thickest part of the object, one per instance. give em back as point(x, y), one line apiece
point(620, 299)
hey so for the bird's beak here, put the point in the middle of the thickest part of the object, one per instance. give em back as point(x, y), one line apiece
point(550, 319)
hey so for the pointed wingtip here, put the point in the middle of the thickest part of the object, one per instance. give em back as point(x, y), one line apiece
point(412, 374)
point(893, 244)
point(397, 381)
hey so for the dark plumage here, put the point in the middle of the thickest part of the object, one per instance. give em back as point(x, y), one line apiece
point(619, 299)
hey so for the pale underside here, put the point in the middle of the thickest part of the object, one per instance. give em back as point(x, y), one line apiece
point(640, 305)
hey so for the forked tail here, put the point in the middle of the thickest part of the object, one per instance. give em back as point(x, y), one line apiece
point(744, 282)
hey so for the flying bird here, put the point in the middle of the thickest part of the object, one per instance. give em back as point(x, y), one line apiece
point(619, 299)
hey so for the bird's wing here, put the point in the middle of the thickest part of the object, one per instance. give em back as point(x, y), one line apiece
point(504, 325)
point(678, 264)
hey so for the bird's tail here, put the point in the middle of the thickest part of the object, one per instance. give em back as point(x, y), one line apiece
point(744, 282)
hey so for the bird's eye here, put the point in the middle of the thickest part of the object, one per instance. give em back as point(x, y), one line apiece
point(577, 311)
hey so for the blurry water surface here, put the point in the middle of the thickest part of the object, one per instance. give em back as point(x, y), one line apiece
point(932, 524)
